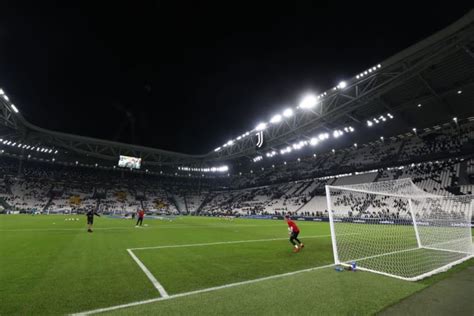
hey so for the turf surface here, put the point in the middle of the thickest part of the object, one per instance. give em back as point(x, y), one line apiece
point(53, 266)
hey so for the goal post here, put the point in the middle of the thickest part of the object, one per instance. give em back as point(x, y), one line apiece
point(396, 229)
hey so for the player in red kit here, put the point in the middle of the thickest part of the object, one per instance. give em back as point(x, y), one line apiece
point(294, 231)
point(141, 215)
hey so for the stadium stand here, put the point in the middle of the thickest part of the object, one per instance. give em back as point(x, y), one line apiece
point(296, 187)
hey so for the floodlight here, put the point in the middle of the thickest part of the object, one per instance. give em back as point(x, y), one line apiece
point(381, 138)
point(419, 105)
point(14, 108)
point(217, 149)
point(261, 126)
point(313, 141)
point(455, 119)
point(378, 66)
point(370, 70)
point(239, 137)
point(342, 85)
point(355, 145)
point(365, 72)
point(308, 102)
point(230, 142)
point(414, 129)
point(2, 92)
point(276, 119)
point(357, 77)
point(5, 97)
point(288, 112)
point(459, 91)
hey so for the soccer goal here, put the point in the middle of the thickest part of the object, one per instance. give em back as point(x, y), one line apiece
point(396, 229)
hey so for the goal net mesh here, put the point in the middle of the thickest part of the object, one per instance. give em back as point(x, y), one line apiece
point(397, 229)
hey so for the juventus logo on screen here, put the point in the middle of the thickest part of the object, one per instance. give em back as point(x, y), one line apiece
point(259, 139)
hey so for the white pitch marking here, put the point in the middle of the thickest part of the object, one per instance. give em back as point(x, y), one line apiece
point(133, 228)
point(150, 276)
point(224, 242)
point(106, 309)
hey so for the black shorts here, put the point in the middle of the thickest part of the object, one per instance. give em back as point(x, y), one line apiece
point(90, 220)
point(294, 234)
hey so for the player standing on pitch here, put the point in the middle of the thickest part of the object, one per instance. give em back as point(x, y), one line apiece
point(294, 231)
point(90, 219)
point(141, 215)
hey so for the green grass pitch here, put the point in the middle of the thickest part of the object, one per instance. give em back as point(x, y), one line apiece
point(52, 266)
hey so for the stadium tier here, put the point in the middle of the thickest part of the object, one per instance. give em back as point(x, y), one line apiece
point(295, 187)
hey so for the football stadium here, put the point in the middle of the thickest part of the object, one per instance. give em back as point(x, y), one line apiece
point(354, 200)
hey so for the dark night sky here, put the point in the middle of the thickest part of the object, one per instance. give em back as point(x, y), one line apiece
point(190, 76)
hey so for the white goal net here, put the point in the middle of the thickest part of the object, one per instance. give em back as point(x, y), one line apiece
point(395, 228)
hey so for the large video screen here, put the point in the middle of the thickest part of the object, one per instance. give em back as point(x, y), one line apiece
point(130, 162)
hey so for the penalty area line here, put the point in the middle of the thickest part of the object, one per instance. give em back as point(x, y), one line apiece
point(228, 242)
point(149, 275)
point(211, 289)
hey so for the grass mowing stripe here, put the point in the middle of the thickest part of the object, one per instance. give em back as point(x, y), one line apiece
point(150, 276)
point(216, 288)
point(133, 228)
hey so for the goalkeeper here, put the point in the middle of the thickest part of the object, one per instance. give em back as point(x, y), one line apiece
point(294, 231)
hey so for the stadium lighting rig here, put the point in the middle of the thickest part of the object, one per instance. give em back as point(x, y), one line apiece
point(307, 102)
point(342, 85)
point(223, 168)
point(28, 147)
point(313, 141)
point(368, 71)
point(288, 112)
point(276, 119)
point(261, 126)
point(380, 119)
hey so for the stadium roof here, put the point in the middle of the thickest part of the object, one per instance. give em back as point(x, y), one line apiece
point(436, 74)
